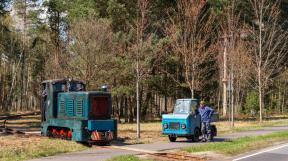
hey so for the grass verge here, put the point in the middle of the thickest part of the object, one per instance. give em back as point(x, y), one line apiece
point(127, 158)
point(240, 145)
point(224, 126)
point(14, 148)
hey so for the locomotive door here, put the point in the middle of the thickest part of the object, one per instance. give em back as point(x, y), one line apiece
point(44, 101)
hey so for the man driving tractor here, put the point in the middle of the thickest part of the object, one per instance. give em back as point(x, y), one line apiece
point(206, 113)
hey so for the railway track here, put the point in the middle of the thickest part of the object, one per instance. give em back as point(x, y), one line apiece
point(4, 119)
point(176, 156)
point(171, 156)
point(17, 116)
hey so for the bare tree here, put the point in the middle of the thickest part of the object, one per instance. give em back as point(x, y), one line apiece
point(141, 25)
point(191, 33)
point(236, 63)
point(269, 45)
point(91, 50)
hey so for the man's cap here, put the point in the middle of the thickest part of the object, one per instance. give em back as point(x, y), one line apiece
point(202, 102)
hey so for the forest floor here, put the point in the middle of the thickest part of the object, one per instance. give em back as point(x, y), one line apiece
point(22, 147)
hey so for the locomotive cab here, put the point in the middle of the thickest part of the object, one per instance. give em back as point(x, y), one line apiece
point(50, 91)
point(71, 112)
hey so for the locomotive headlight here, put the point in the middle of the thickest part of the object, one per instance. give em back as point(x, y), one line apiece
point(183, 126)
point(165, 126)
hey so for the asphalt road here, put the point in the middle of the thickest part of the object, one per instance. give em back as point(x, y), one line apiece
point(100, 154)
point(278, 153)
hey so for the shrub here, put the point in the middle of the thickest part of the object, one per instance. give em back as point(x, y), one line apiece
point(251, 103)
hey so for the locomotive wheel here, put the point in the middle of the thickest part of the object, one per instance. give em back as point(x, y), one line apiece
point(172, 138)
point(69, 135)
point(49, 134)
point(59, 133)
point(196, 135)
point(103, 143)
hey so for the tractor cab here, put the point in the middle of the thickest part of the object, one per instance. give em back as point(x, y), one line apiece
point(183, 122)
point(50, 90)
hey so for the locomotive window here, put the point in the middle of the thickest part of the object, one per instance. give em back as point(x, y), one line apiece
point(99, 107)
point(73, 86)
point(63, 87)
point(77, 87)
point(60, 87)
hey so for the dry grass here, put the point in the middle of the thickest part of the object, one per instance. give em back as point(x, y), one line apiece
point(224, 126)
point(150, 132)
point(22, 147)
point(13, 148)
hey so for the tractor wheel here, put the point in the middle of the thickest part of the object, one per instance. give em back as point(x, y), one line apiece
point(196, 135)
point(213, 132)
point(172, 138)
point(189, 137)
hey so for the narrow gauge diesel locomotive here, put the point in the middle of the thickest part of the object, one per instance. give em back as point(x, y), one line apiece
point(70, 112)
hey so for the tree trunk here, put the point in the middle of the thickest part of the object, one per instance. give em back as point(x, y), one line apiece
point(117, 110)
point(279, 101)
point(219, 100)
point(165, 103)
point(121, 110)
point(138, 104)
point(125, 111)
point(146, 104)
point(192, 93)
point(260, 102)
point(131, 113)
point(192, 87)
point(225, 78)
point(283, 102)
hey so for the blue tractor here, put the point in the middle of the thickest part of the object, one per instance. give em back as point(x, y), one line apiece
point(70, 112)
point(184, 122)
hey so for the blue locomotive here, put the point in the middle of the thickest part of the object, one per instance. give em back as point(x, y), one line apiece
point(70, 112)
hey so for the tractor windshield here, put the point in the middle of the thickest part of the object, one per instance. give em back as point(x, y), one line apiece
point(182, 106)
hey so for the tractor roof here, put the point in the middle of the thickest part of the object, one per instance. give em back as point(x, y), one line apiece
point(61, 80)
point(187, 99)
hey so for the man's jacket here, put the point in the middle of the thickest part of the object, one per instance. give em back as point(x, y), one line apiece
point(205, 113)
